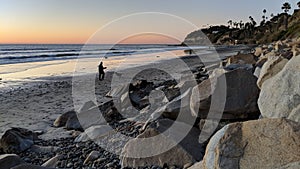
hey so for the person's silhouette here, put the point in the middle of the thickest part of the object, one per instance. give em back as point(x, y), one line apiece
point(101, 71)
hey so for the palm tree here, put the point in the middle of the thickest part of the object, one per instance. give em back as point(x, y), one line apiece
point(230, 23)
point(286, 7)
point(264, 11)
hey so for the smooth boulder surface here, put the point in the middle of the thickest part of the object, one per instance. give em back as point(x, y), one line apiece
point(157, 145)
point(266, 143)
point(16, 140)
point(9, 160)
point(280, 95)
point(273, 66)
point(232, 93)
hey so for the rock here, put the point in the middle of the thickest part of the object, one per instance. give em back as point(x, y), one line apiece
point(242, 59)
point(196, 166)
point(258, 51)
point(159, 146)
point(73, 124)
point(69, 120)
point(294, 165)
point(43, 149)
point(29, 166)
point(16, 140)
point(233, 93)
point(179, 109)
point(131, 94)
point(295, 50)
point(62, 119)
point(238, 66)
point(92, 156)
point(99, 115)
point(9, 160)
point(280, 95)
point(261, 62)
point(257, 72)
point(262, 143)
point(274, 65)
point(287, 54)
point(52, 162)
point(117, 92)
point(93, 133)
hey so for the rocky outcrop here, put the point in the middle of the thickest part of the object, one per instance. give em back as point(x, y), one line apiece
point(273, 65)
point(266, 143)
point(236, 90)
point(280, 95)
point(16, 140)
point(158, 145)
point(9, 160)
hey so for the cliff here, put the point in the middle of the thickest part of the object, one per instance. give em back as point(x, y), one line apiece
point(277, 28)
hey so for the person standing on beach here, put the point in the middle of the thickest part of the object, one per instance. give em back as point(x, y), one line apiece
point(101, 71)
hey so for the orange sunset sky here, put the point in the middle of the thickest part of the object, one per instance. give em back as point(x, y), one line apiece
point(76, 21)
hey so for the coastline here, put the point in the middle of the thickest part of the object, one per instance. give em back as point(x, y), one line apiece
point(35, 104)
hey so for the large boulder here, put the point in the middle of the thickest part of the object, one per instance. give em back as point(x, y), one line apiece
point(273, 65)
point(266, 143)
point(9, 160)
point(233, 93)
point(16, 140)
point(280, 95)
point(160, 144)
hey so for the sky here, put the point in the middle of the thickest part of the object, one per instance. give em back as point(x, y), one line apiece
point(79, 21)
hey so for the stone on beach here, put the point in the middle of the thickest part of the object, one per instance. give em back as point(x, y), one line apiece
point(68, 120)
point(280, 95)
point(9, 160)
point(92, 156)
point(266, 143)
point(157, 145)
point(52, 162)
point(16, 140)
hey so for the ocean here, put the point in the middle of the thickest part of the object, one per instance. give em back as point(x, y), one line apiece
point(11, 53)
